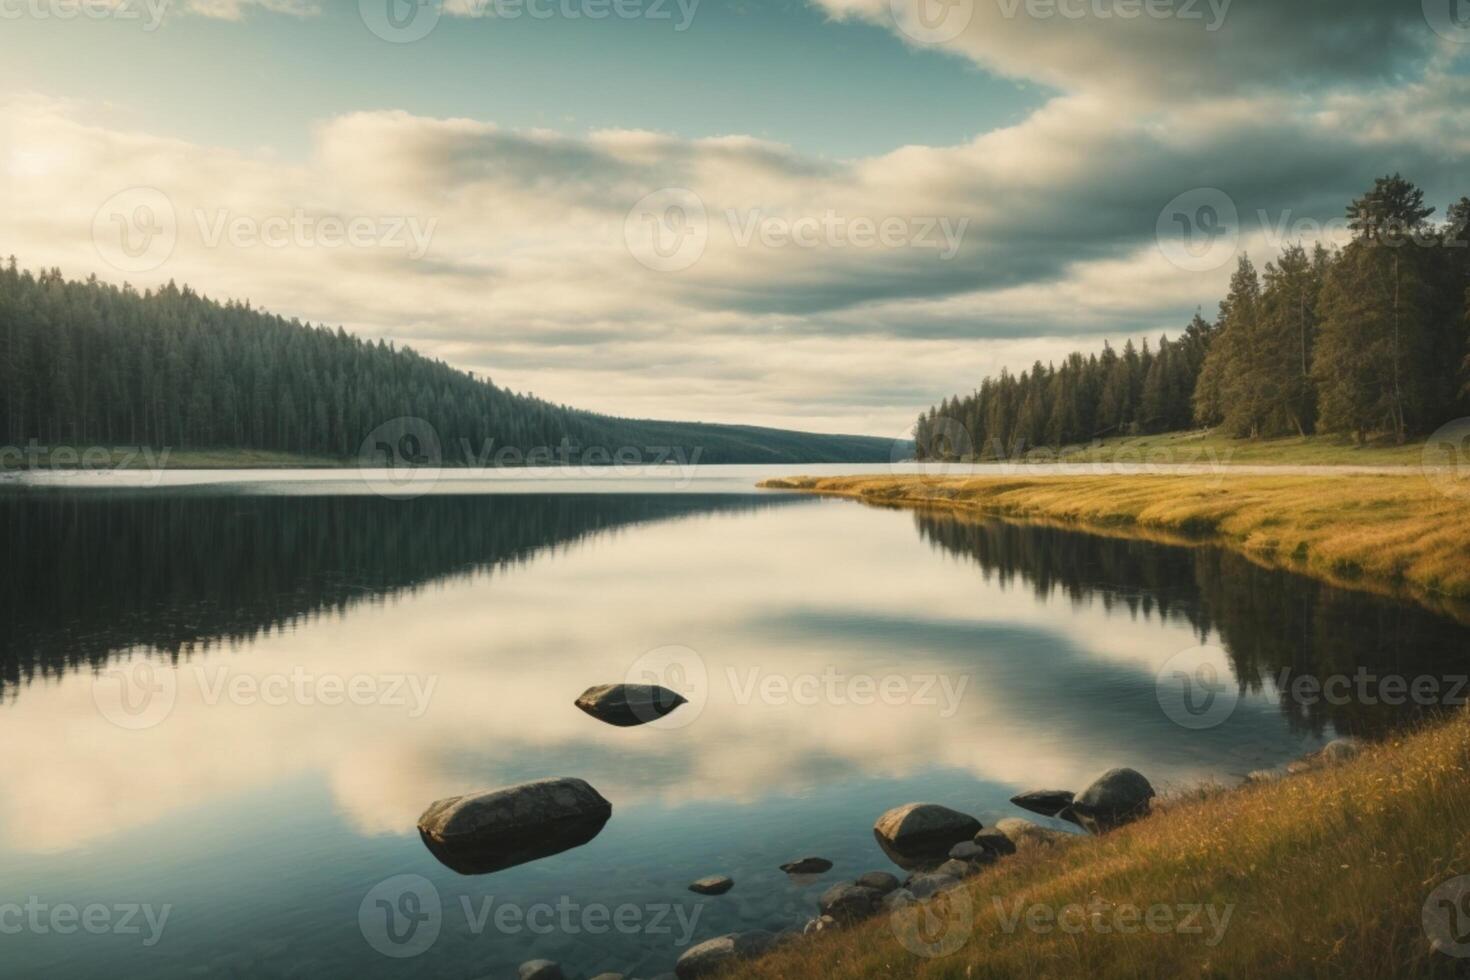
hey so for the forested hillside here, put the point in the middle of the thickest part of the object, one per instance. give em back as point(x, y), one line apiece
point(86, 363)
point(1367, 340)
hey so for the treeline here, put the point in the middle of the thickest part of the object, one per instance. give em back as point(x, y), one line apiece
point(87, 363)
point(1369, 339)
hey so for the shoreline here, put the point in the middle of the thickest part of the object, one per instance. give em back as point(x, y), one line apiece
point(1397, 535)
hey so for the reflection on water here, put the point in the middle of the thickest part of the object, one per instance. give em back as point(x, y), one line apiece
point(837, 664)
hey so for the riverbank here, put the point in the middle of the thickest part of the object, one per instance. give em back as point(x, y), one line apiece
point(1391, 534)
point(1217, 449)
point(1343, 870)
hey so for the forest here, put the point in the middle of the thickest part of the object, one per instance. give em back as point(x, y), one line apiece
point(1364, 341)
point(92, 364)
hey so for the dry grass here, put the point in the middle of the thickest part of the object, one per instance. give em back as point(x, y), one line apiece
point(1389, 533)
point(1325, 874)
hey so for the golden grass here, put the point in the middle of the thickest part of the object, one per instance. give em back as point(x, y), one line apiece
point(1389, 533)
point(1324, 874)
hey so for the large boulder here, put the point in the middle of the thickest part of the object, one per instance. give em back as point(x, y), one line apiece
point(713, 954)
point(626, 705)
point(919, 835)
point(850, 902)
point(1116, 797)
point(485, 832)
point(1047, 802)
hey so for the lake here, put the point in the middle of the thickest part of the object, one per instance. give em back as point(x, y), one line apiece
point(227, 701)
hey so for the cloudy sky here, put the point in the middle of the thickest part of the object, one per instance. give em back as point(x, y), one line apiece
point(821, 214)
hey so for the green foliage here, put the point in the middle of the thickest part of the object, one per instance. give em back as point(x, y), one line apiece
point(83, 363)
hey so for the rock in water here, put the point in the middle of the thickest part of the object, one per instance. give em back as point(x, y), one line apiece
point(711, 955)
point(1116, 797)
point(540, 970)
point(713, 885)
point(626, 705)
point(1047, 802)
point(920, 834)
point(499, 829)
point(807, 866)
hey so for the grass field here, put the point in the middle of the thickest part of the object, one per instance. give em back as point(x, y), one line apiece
point(1208, 447)
point(1328, 873)
point(1388, 533)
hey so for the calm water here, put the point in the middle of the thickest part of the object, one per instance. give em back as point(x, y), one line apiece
point(173, 666)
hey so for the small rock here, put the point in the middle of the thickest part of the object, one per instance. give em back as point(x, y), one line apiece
point(849, 902)
point(1117, 797)
point(898, 899)
point(540, 970)
point(956, 869)
point(1023, 833)
point(713, 885)
point(995, 842)
point(972, 852)
point(1340, 750)
point(807, 866)
point(922, 886)
point(1047, 802)
point(880, 881)
point(610, 976)
point(820, 924)
point(626, 705)
point(713, 954)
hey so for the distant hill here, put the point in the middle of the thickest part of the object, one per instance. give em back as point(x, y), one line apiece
point(87, 363)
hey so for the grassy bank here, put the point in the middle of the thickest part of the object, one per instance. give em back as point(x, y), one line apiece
point(1322, 874)
point(1214, 448)
point(1388, 533)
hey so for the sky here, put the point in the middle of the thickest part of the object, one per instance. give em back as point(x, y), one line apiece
point(817, 214)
